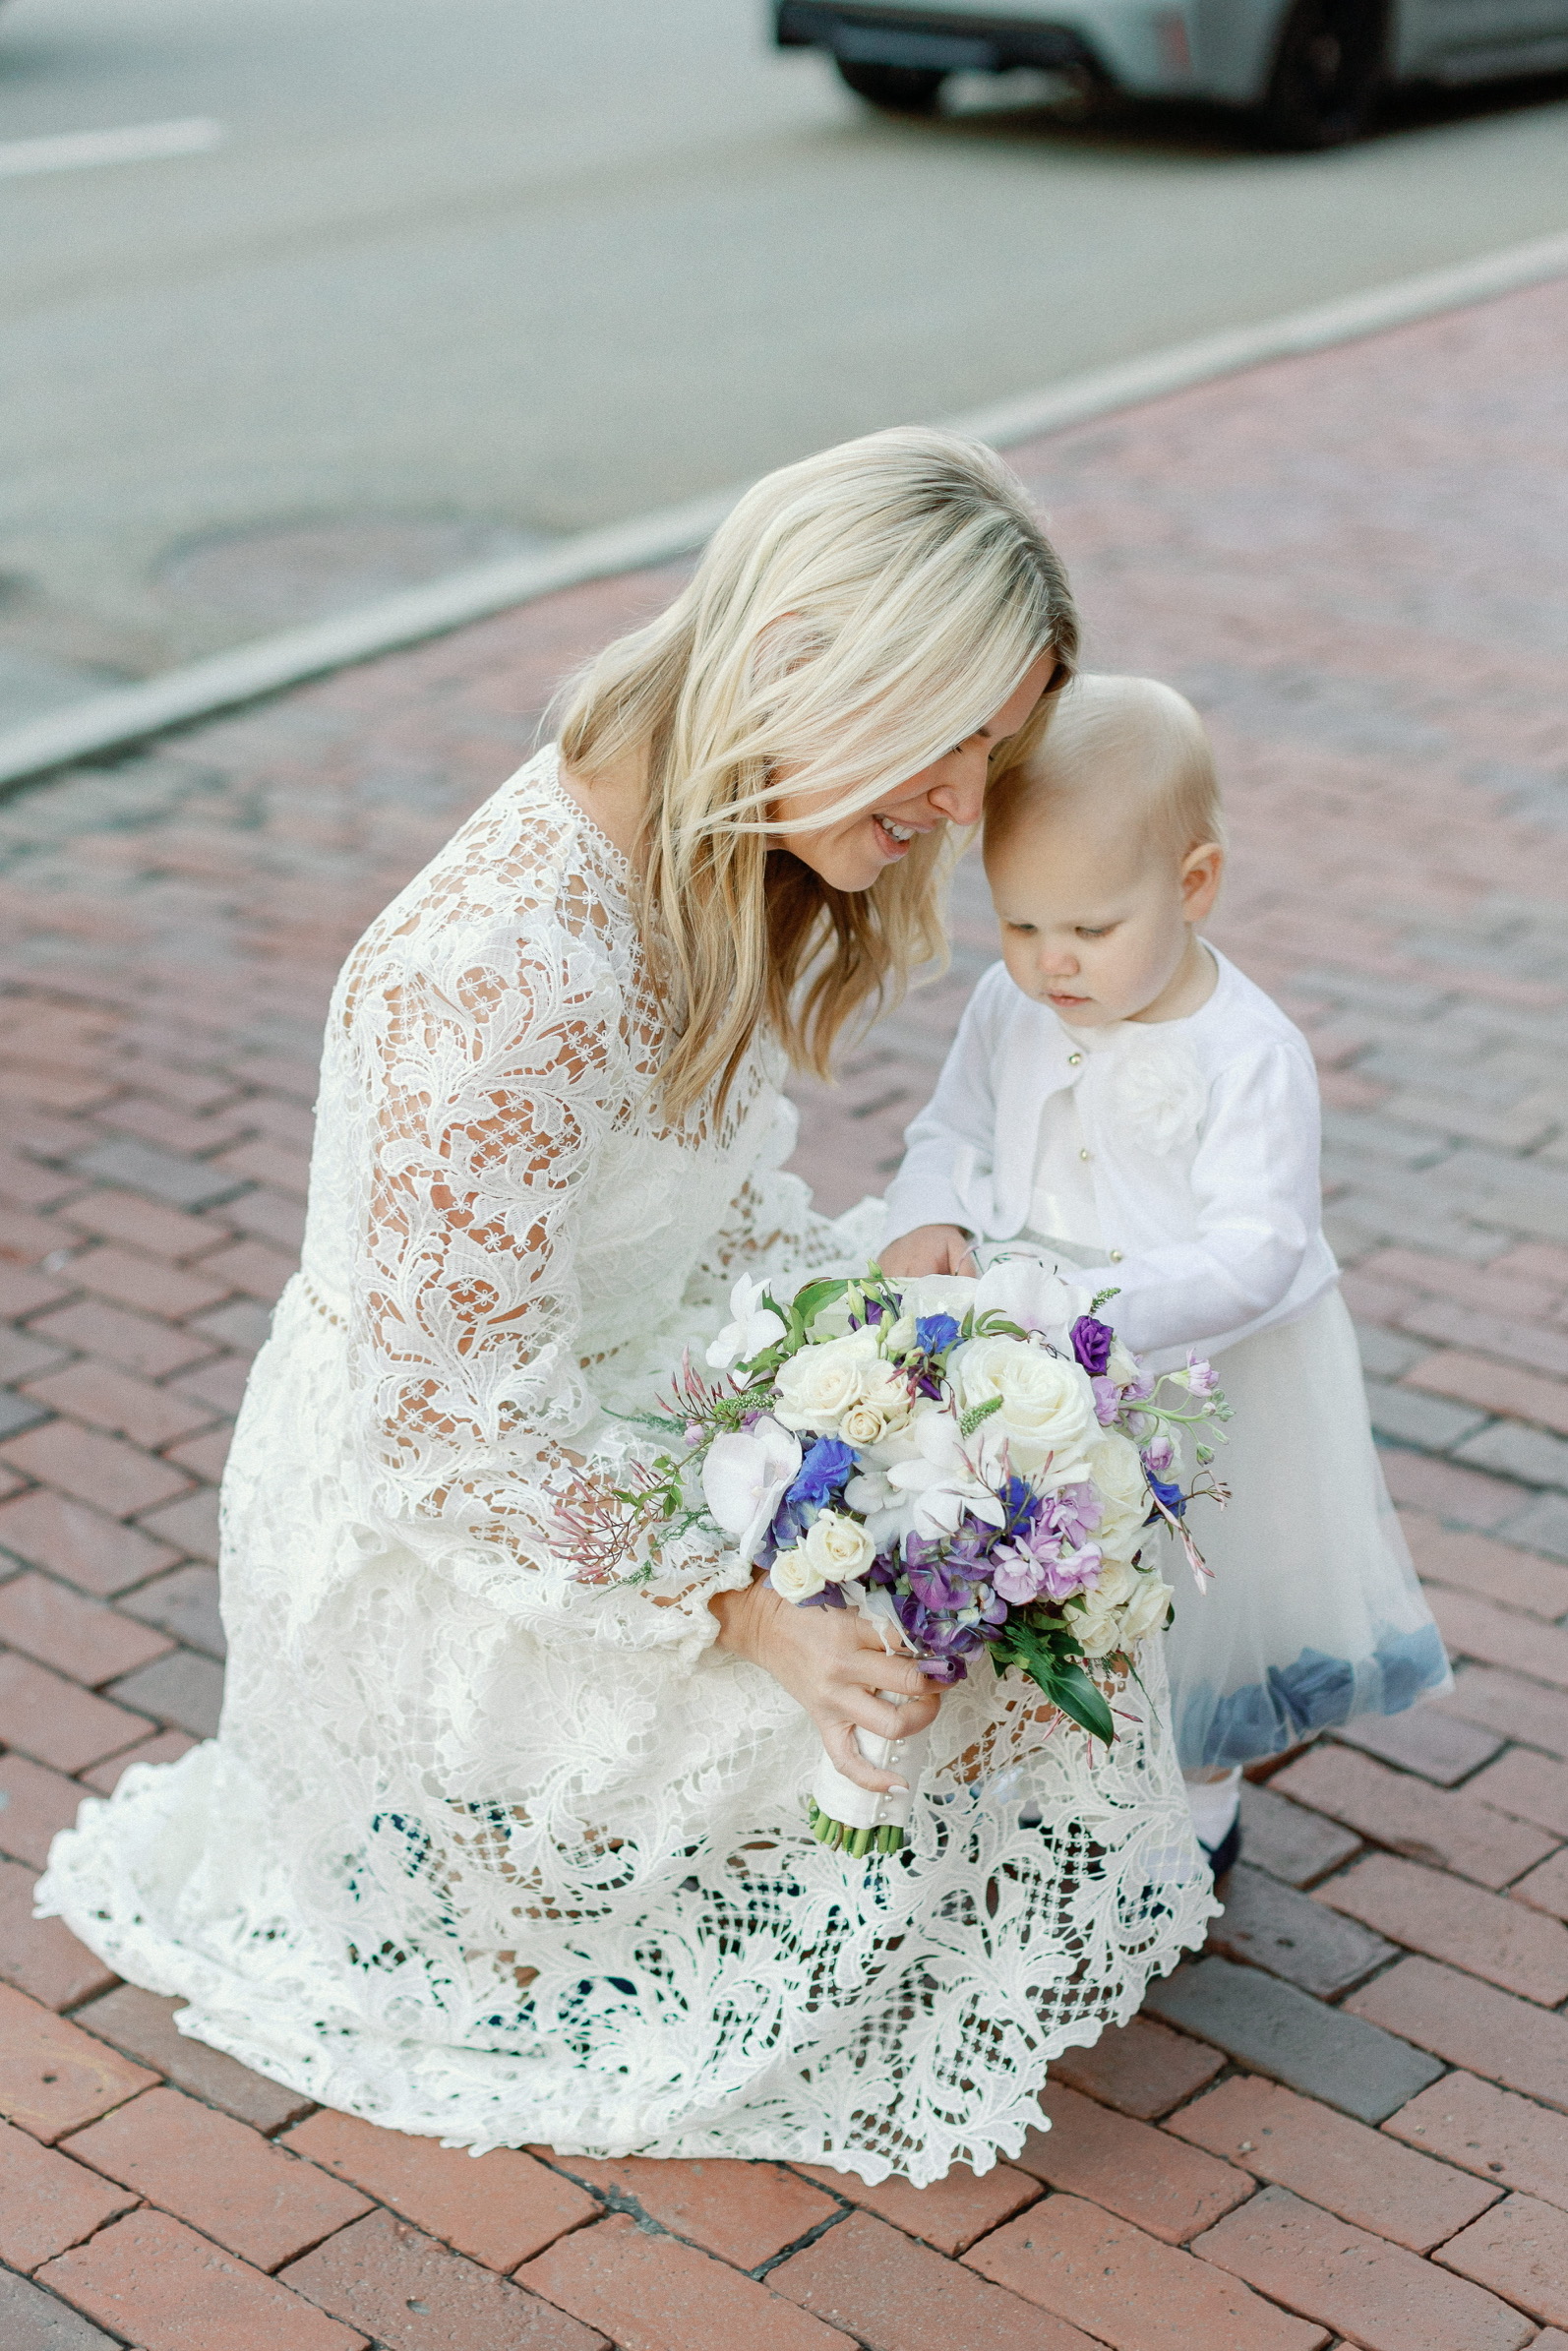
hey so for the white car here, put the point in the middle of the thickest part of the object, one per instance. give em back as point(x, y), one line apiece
point(1309, 70)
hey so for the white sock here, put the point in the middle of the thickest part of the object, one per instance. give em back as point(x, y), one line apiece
point(1215, 1804)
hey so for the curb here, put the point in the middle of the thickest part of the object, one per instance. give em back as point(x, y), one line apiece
point(117, 721)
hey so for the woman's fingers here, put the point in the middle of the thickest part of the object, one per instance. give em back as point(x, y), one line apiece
point(892, 1721)
point(844, 1749)
point(880, 1669)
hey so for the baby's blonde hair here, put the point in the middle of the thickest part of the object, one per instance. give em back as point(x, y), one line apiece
point(1107, 736)
point(854, 618)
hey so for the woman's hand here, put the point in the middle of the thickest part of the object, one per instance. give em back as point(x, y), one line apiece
point(929, 1249)
point(832, 1663)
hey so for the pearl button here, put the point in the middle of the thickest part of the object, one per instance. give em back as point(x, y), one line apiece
point(1083, 1154)
point(1115, 1256)
point(1073, 1059)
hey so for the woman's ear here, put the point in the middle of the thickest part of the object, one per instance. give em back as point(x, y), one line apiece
point(1202, 870)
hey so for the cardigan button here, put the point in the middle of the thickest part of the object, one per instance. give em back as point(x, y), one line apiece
point(1114, 1256)
point(1084, 1153)
point(1073, 1059)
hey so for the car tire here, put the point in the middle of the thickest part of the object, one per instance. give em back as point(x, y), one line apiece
point(895, 88)
point(1328, 73)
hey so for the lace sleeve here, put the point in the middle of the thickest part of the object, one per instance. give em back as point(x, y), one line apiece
point(487, 1092)
point(773, 1228)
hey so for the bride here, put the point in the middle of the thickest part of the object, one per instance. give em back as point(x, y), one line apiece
point(482, 1850)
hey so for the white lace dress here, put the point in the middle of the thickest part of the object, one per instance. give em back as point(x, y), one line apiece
point(482, 1852)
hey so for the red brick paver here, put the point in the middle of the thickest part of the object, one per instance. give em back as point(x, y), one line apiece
point(47, 2203)
point(1334, 2161)
point(500, 2209)
point(1358, 2284)
point(415, 2295)
point(1127, 2289)
point(950, 2214)
point(169, 2290)
point(223, 2178)
point(896, 2295)
point(745, 2212)
point(1134, 2171)
point(651, 2293)
point(1352, 562)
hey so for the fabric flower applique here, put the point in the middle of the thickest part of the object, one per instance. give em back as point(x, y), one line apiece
point(1157, 1090)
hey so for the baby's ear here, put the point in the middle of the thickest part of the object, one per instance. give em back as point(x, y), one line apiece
point(1201, 871)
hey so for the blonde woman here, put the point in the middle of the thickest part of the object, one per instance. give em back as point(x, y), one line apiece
point(484, 1851)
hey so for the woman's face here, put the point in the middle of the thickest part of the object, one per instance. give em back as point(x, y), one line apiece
point(850, 852)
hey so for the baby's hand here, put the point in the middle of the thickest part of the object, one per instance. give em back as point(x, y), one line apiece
point(929, 1249)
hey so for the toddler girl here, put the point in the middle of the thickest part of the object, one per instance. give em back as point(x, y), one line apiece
point(1121, 1099)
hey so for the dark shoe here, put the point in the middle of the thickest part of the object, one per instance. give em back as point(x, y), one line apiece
point(1224, 1856)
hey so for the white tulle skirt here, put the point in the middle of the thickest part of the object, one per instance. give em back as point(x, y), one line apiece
point(1314, 1614)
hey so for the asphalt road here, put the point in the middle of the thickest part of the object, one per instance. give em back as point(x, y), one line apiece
point(462, 273)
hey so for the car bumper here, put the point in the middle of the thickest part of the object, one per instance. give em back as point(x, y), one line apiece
point(1152, 49)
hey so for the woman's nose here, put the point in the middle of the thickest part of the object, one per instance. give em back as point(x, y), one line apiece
point(962, 798)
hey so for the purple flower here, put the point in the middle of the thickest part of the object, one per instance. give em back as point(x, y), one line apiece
point(1106, 1400)
point(1018, 1576)
point(1091, 1343)
point(1202, 1378)
point(936, 1587)
point(1022, 1576)
point(1072, 1513)
point(1159, 1455)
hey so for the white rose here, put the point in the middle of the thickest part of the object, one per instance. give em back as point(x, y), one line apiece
point(819, 1384)
point(1098, 1625)
point(883, 1407)
point(1121, 1364)
point(1147, 1609)
point(1123, 1491)
point(794, 1576)
point(837, 1548)
point(1045, 1409)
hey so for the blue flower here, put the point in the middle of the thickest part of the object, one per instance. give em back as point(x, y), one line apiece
point(1171, 1497)
point(826, 1469)
point(934, 1334)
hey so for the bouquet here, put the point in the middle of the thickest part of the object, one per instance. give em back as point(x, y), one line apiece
point(972, 1463)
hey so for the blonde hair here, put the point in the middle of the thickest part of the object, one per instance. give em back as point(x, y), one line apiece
point(855, 617)
point(1111, 739)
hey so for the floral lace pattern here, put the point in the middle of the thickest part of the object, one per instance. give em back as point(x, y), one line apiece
point(485, 1852)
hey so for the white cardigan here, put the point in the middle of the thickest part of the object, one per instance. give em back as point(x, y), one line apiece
point(1202, 1136)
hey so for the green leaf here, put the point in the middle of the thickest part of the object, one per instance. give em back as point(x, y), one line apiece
point(1072, 1689)
point(1101, 1298)
point(809, 1302)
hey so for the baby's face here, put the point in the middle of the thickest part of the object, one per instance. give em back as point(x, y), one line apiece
point(1098, 929)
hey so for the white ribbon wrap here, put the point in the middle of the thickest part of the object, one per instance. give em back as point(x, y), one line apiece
point(864, 1807)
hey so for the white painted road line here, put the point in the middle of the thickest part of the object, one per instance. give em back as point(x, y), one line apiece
point(81, 150)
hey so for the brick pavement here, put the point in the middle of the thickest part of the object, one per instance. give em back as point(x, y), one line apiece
point(1348, 2121)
